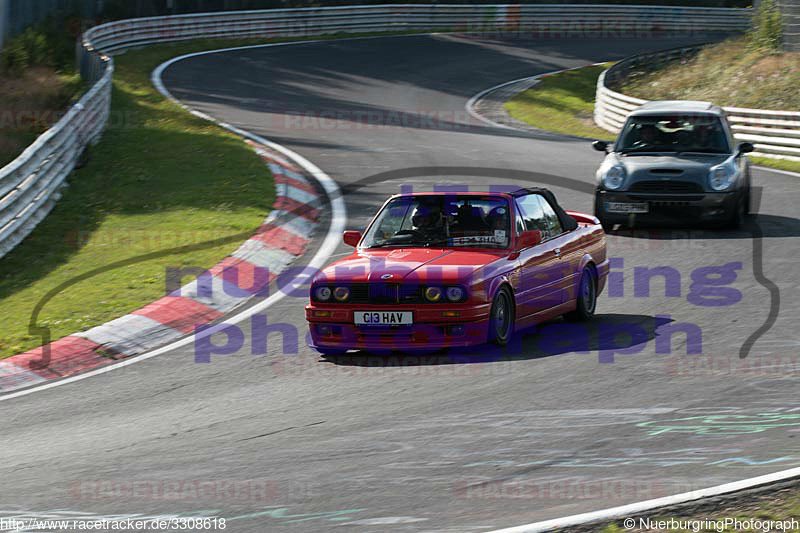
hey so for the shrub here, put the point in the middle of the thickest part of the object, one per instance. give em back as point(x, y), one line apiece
point(45, 44)
point(767, 32)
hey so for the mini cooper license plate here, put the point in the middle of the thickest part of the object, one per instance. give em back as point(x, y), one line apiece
point(623, 207)
point(383, 318)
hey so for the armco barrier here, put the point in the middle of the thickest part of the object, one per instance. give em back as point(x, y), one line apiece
point(775, 134)
point(30, 185)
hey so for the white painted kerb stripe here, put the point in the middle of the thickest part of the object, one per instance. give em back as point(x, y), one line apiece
point(630, 510)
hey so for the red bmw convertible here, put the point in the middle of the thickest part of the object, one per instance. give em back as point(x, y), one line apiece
point(445, 270)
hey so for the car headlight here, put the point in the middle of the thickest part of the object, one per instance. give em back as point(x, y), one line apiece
point(614, 177)
point(722, 176)
point(433, 294)
point(323, 294)
point(455, 294)
point(341, 293)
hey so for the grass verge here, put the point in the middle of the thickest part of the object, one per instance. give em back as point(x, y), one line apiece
point(732, 73)
point(781, 505)
point(32, 103)
point(563, 103)
point(160, 178)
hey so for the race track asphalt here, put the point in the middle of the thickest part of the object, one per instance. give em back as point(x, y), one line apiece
point(347, 445)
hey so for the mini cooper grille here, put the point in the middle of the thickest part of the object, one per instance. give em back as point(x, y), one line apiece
point(666, 171)
point(666, 187)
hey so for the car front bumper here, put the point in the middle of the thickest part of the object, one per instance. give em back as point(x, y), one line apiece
point(670, 208)
point(431, 330)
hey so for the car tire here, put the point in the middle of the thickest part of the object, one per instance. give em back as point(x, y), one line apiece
point(501, 318)
point(739, 215)
point(598, 213)
point(331, 352)
point(586, 303)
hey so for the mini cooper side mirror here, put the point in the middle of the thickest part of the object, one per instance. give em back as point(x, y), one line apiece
point(600, 146)
point(351, 238)
point(746, 148)
point(528, 239)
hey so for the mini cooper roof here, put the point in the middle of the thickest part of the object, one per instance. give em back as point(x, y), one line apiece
point(678, 106)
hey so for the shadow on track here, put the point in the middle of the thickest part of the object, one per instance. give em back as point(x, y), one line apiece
point(606, 333)
point(768, 226)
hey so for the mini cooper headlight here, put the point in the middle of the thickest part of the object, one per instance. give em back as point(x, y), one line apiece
point(323, 294)
point(433, 294)
point(614, 177)
point(722, 176)
point(455, 294)
point(341, 293)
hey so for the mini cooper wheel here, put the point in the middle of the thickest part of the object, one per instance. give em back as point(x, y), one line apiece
point(587, 297)
point(501, 318)
point(740, 212)
point(598, 213)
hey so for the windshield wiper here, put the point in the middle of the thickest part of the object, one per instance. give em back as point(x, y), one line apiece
point(643, 151)
point(386, 244)
point(439, 242)
point(701, 152)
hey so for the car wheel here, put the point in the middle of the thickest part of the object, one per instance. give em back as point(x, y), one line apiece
point(607, 226)
point(501, 318)
point(587, 297)
point(598, 213)
point(331, 352)
point(739, 214)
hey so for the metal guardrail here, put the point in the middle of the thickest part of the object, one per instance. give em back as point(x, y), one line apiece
point(29, 186)
point(775, 134)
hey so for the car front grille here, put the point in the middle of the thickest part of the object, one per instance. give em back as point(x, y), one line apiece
point(373, 293)
point(383, 293)
point(666, 187)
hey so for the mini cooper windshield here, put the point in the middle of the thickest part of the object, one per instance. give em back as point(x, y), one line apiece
point(698, 133)
point(447, 220)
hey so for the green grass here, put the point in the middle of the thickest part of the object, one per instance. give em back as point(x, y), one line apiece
point(781, 164)
point(160, 177)
point(780, 505)
point(562, 103)
point(731, 74)
point(39, 89)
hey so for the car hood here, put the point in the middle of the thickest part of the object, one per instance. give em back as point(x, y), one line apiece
point(410, 264)
point(693, 168)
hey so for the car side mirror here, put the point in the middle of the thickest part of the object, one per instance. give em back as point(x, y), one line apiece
point(600, 146)
point(528, 239)
point(746, 148)
point(351, 238)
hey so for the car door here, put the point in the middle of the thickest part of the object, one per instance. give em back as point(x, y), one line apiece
point(541, 276)
point(567, 247)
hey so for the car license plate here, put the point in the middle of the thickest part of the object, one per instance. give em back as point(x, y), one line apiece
point(622, 207)
point(383, 318)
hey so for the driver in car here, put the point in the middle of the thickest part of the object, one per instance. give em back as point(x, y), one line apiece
point(647, 135)
point(428, 222)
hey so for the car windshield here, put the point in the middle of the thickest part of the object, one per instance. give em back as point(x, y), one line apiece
point(671, 133)
point(447, 220)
